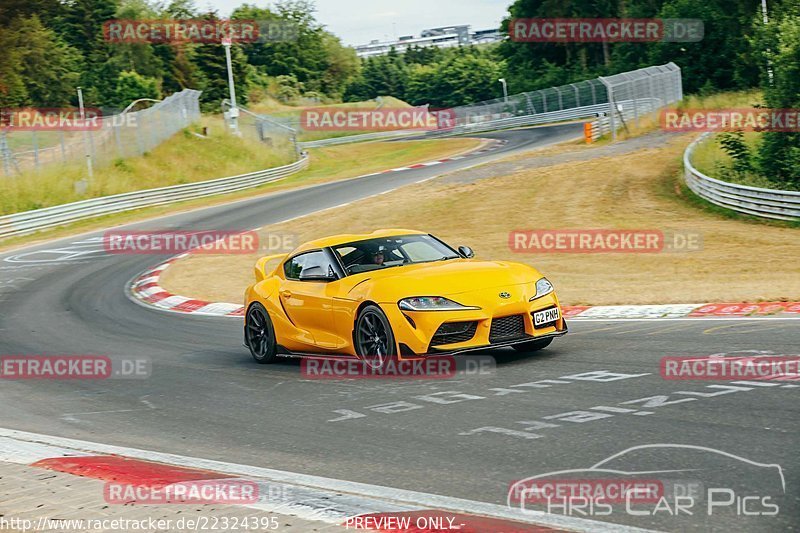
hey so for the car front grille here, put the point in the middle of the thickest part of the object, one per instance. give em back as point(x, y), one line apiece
point(453, 332)
point(507, 328)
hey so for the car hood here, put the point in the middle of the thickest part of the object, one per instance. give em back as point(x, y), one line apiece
point(446, 278)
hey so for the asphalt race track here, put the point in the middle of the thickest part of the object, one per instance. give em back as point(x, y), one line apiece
point(593, 394)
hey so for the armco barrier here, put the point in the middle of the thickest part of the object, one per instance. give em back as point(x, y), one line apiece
point(32, 221)
point(629, 95)
point(767, 203)
point(346, 139)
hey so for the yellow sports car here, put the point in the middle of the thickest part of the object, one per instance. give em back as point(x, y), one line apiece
point(395, 293)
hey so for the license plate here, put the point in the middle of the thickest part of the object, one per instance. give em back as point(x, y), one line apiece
point(546, 316)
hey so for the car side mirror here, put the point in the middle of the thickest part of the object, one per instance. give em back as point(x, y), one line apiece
point(317, 273)
point(466, 252)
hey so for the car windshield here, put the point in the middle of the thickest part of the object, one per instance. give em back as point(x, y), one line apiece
point(387, 252)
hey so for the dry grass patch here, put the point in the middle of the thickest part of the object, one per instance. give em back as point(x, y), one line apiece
point(739, 260)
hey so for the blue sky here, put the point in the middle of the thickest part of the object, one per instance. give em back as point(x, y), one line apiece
point(360, 21)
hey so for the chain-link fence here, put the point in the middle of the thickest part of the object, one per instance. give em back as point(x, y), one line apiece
point(126, 134)
point(276, 134)
point(640, 91)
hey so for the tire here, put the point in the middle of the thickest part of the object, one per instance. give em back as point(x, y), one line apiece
point(373, 337)
point(533, 346)
point(260, 335)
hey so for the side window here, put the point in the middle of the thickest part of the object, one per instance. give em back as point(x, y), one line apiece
point(311, 266)
point(419, 251)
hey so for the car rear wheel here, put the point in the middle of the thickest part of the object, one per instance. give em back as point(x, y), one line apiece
point(260, 335)
point(374, 340)
point(533, 346)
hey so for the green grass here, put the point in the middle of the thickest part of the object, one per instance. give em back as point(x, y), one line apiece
point(722, 100)
point(174, 162)
point(711, 159)
point(327, 164)
point(289, 112)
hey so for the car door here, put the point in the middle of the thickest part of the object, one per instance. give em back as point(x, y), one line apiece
point(307, 295)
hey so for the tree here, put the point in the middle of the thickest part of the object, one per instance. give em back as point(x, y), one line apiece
point(713, 61)
point(82, 28)
point(48, 66)
point(213, 72)
point(305, 49)
point(779, 154)
point(132, 86)
point(464, 78)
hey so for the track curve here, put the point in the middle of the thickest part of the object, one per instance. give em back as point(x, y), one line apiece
point(206, 398)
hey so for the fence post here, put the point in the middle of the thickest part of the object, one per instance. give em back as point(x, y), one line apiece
point(118, 141)
point(531, 109)
point(35, 141)
point(611, 108)
point(61, 142)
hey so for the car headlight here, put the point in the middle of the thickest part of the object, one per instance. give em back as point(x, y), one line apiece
point(543, 288)
point(431, 303)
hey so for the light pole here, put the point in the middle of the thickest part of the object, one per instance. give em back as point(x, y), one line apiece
point(505, 89)
point(85, 135)
point(765, 16)
point(234, 111)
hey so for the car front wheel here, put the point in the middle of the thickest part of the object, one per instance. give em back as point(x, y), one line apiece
point(374, 340)
point(260, 335)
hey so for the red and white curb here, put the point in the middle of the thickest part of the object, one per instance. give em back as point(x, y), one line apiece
point(307, 497)
point(146, 289)
point(495, 144)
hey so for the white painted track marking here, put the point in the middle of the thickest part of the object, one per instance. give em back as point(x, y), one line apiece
point(357, 498)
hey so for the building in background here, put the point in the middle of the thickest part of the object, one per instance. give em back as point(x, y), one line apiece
point(443, 37)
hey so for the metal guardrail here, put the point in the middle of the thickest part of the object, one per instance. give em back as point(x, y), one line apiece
point(640, 91)
point(39, 219)
point(376, 136)
point(766, 203)
point(576, 113)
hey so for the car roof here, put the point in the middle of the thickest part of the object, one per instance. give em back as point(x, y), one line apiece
point(336, 240)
